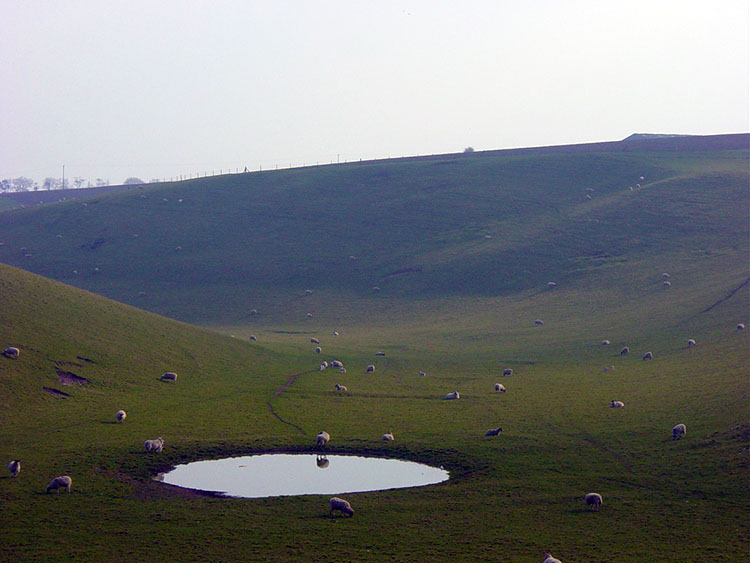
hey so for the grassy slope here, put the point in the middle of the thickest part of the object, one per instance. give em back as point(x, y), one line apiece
point(465, 317)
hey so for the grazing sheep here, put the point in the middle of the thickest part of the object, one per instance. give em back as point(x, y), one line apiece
point(253, 338)
point(342, 370)
point(500, 387)
point(610, 368)
point(551, 284)
point(376, 288)
point(616, 404)
point(605, 342)
point(12, 352)
point(318, 350)
point(341, 387)
point(691, 343)
point(594, 500)
point(337, 364)
point(422, 374)
point(549, 559)
point(121, 415)
point(679, 431)
point(63, 481)
point(155, 446)
point(380, 353)
point(308, 292)
point(625, 351)
point(493, 431)
point(340, 504)
point(14, 467)
point(322, 438)
point(667, 284)
point(169, 376)
point(253, 312)
point(665, 275)
point(335, 333)
point(508, 371)
point(740, 326)
point(370, 369)
point(648, 356)
point(387, 437)
point(538, 322)
point(641, 178)
point(314, 341)
point(309, 315)
point(324, 366)
point(451, 396)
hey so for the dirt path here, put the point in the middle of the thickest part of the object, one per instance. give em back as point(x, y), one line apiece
point(279, 391)
point(729, 296)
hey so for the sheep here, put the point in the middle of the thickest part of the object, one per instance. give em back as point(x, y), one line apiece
point(508, 371)
point(342, 370)
point(324, 366)
point(337, 364)
point(608, 368)
point(154, 445)
point(594, 500)
point(648, 356)
point(679, 431)
point(308, 292)
point(691, 343)
point(63, 481)
point(309, 315)
point(12, 352)
point(322, 438)
point(370, 369)
point(549, 559)
point(616, 404)
point(539, 322)
point(500, 387)
point(641, 178)
point(625, 351)
point(253, 337)
point(605, 342)
point(314, 341)
point(340, 504)
point(493, 431)
point(318, 350)
point(387, 437)
point(665, 276)
point(551, 284)
point(667, 284)
point(451, 396)
point(380, 353)
point(341, 387)
point(14, 467)
point(335, 332)
point(121, 415)
point(376, 288)
point(740, 326)
point(422, 374)
point(253, 312)
point(169, 376)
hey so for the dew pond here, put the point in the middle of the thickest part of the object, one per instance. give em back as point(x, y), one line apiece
point(272, 475)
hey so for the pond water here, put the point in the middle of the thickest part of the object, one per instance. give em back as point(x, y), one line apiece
point(272, 475)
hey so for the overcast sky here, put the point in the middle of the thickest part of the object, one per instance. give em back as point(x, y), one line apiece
point(156, 89)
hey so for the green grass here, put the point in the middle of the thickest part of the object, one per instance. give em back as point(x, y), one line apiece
point(258, 240)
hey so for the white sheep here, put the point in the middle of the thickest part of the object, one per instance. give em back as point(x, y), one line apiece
point(335, 333)
point(625, 351)
point(667, 284)
point(322, 438)
point(616, 404)
point(451, 396)
point(493, 431)
point(169, 376)
point(380, 353)
point(538, 322)
point(679, 431)
point(422, 374)
point(549, 559)
point(691, 343)
point(309, 315)
point(594, 500)
point(154, 445)
point(608, 368)
point(12, 352)
point(508, 371)
point(337, 503)
point(63, 481)
point(253, 337)
point(337, 364)
point(551, 284)
point(740, 326)
point(387, 437)
point(318, 350)
point(341, 387)
point(314, 341)
point(14, 467)
point(648, 356)
point(605, 342)
point(308, 292)
point(370, 369)
point(324, 366)
point(500, 387)
point(121, 415)
point(665, 276)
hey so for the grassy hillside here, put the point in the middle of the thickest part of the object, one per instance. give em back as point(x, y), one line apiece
point(452, 302)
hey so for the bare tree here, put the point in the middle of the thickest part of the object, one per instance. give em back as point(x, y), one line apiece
point(78, 182)
point(22, 184)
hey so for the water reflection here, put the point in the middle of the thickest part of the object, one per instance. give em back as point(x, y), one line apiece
point(273, 475)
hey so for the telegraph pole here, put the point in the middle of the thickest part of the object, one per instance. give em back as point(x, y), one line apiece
point(63, 179)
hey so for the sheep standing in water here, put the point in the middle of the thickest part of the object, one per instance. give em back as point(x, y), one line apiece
point(594, 501)
point(61, 482)
point(387, 437)
point(679, 431)
point(322, 438)
point(14, 467)
point(121, 415)
point(500, 387)
point(12, 352)
point(452, 396)
point(341, 505)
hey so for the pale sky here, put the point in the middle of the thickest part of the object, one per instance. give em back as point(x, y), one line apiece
point(155, 89)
